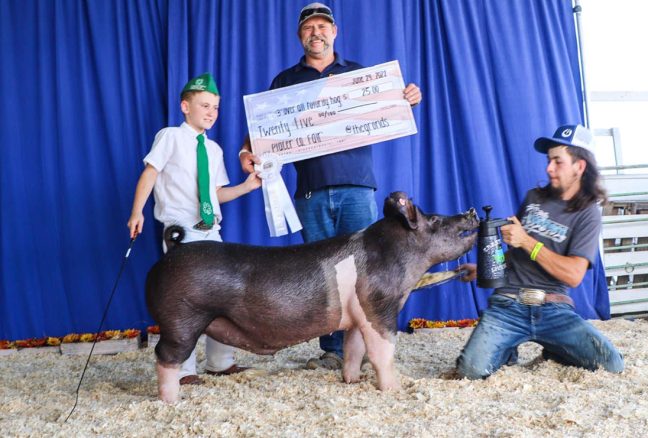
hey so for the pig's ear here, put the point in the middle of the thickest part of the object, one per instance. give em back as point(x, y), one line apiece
point(435, 223)
point(399, 206)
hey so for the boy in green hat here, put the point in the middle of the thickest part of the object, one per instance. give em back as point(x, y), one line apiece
point(187, 173)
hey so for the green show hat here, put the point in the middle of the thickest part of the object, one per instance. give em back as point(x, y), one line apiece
point(204, 82)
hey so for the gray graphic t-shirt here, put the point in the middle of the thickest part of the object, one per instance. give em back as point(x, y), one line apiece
point(568, 234)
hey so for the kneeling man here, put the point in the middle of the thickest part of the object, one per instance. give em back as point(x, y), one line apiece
point(553, 240)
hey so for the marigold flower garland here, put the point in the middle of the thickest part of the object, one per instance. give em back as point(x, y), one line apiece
point(419, 323)
point(50, 341)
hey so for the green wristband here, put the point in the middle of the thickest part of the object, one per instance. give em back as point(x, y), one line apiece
point(536, 249)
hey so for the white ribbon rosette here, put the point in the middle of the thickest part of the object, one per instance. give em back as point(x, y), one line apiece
point(279, 209)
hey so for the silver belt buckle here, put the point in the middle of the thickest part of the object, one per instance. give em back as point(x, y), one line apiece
point(531, 297)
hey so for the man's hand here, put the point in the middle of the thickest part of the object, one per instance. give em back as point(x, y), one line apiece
point(470, 275)
point(412, 94)
point(514, 234)
point(248, 160)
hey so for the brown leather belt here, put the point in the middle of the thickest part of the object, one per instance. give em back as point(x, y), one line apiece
point(537, 297)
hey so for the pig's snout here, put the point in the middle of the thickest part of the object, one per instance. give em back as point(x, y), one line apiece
point(467, 227)
point(472, 217)
point(470, 221)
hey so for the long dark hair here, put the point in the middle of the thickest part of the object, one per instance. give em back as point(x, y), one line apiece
point(591, 189)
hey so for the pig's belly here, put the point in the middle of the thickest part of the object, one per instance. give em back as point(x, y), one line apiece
point(276, 325)
point(265, 338)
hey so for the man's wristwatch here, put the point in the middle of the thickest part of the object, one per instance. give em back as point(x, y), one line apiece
point(242, 151)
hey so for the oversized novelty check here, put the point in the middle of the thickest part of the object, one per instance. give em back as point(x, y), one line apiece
point(321, 117)
point(329, 115)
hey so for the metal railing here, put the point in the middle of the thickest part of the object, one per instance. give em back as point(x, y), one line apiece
point(627, 266)
point(629, 166)
point(629, 285)
point(625, 221)
point(638, 300)
point(623, 195)
point(610, 249)
point(630, 248)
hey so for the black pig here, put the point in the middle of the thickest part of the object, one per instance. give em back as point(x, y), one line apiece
point(263, 299)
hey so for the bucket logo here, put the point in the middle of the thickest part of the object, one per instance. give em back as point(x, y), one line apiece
point(566, 133)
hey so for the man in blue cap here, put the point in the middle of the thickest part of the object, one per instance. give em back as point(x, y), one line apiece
point(553, 240)
point(335, 192)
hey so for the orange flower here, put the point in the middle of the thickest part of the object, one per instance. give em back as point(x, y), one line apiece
point(153, 329)
point(418, 323)
point(53, 342)
point(23, 343)
point(72, 337)
point(38, 342)
point(108, 334)
point(87, 337)
point(131, 333)
point(6, 345)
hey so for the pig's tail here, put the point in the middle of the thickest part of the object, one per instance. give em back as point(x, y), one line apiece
point(173, 236)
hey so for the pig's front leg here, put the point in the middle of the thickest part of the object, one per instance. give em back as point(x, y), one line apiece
point(168, 382)
point(354, 350)
point(381, 355)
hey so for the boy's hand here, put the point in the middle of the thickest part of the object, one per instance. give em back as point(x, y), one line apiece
point(248, 160)
point(135, 224)
point(252, 182)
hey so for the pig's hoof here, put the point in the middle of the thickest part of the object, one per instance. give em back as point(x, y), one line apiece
point(170, 400)
point(167, 395)
point(328, 360)
point(391, 386)
point(353, 378)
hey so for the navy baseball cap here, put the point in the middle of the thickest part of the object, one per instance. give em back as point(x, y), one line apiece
point(315, 10)
point(567, 135)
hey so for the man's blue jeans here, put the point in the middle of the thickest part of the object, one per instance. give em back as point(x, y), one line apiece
point(565, 336)
point(331, 212)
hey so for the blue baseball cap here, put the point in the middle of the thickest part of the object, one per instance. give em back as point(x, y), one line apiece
point(315, 10)
point(567, 135)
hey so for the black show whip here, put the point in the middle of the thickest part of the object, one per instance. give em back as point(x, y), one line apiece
point(103, 318)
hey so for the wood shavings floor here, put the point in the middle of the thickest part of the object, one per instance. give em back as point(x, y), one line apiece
point(535, 398)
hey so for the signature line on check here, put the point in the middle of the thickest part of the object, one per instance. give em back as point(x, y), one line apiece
point(357, 106)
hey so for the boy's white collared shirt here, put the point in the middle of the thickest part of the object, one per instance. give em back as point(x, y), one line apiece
point(173, 155)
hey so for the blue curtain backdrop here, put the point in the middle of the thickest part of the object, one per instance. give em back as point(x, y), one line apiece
point(86, 85)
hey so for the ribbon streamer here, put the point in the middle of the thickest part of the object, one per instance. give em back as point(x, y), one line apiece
point(279, 208)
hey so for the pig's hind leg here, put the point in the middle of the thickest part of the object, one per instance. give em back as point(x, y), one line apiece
point(354, 350)
point(171, 351)
point(168, 382)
